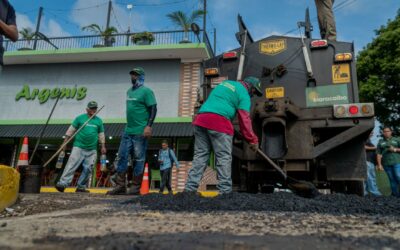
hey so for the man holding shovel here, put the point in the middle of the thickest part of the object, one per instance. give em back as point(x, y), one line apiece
point(84, 149)
point(213, 130)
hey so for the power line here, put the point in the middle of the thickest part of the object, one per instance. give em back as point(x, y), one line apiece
point(116, 20)
point(60, 18)
point(79, 9)
point(154, 4)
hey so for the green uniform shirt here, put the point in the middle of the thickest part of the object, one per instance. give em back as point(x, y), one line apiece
point(137, 114)
point(88, 137)
point(226, 99)
point(389, 158)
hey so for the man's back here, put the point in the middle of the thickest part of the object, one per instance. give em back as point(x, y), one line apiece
point(226, 99)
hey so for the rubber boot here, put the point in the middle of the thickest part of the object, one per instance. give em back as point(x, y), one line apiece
point(120, 185)
point(137, 182)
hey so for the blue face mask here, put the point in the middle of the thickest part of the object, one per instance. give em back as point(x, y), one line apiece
point(138, 82)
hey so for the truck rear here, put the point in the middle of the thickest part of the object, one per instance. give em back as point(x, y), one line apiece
point(310, 123)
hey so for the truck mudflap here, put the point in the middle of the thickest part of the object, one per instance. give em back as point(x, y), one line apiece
point(347, 161)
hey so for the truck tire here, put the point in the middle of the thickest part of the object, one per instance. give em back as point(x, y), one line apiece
point(355, 187)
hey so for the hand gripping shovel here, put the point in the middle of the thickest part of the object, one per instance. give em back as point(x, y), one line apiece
point(301, 188)
point(72, 137)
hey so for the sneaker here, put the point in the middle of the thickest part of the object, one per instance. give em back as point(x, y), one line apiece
point(60, 188)
point(82, 190)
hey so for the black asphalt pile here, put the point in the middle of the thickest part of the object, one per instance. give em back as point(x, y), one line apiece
point(336, 204)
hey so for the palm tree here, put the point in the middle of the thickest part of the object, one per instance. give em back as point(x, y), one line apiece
point(184, 21)
point(27, 34)
point(106, 33)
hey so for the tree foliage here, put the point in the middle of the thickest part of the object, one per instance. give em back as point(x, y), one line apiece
point(378, 68)
point(184, 21)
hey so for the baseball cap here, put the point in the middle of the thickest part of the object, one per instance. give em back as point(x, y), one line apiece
point(137, 71)
point(255, 83)
point(92, 105)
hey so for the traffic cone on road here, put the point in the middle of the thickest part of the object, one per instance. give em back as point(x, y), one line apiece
point(23, 155)
point(144, 188)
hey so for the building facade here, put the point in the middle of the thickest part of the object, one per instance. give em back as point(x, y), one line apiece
point(32, 80)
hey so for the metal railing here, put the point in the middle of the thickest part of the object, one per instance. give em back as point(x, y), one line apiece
point(115, 40)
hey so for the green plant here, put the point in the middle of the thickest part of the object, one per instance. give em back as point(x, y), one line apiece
point(27, 34)
point(184, 21)
point(142, 36)
point(107, 33)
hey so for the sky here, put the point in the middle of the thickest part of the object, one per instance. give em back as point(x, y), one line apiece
point(356, 20)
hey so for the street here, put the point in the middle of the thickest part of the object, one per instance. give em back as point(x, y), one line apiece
point(187, 221)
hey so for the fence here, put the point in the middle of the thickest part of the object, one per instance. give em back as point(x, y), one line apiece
point(115, 40)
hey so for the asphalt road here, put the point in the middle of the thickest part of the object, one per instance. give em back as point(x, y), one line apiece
point(187, 221)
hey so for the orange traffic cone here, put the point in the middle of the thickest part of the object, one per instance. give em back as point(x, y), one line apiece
point(144, 188)
point(23, 155)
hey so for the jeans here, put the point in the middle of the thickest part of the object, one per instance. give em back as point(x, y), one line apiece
point(221, 143)
point(393, 172)
point(370, 184)
point(78, 156)
point(166, 179)
point(136, 145)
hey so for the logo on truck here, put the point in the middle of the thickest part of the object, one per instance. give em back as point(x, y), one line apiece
point(327, 95)
point(273, 47)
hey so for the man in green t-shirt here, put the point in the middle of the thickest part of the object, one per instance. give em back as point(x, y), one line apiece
point(213, 130)
point(141, 110)
point(84, 150)
point(388, 158)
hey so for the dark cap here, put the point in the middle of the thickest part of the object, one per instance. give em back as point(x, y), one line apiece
point(255, 83)
point(92, 105)
point(137, 71)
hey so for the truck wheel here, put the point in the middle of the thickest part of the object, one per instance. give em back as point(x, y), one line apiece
point(355, 187)
point(338, 187)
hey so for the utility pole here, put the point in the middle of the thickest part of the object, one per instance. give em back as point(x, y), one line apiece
point(215, 41)
point(109, 14)
point(38, 26)
point(204, 20)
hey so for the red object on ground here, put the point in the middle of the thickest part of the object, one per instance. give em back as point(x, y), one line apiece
point(23, 155)
point(144, 188)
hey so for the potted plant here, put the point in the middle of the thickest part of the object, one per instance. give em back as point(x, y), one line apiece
point(107, 34)
point(184, 21)
point(143, 38)
point(28, 35)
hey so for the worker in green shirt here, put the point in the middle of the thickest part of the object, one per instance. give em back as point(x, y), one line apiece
point(141, 110)
point(388, 158)
point(84, 150)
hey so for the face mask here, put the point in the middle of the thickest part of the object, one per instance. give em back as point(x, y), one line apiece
point(133, 81)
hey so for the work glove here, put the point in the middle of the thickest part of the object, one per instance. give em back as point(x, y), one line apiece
point(253, 147)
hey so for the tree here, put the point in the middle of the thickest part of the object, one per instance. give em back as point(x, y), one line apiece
point(27, 34)
point(184, 21)
point(378, 67)
point(106, 33)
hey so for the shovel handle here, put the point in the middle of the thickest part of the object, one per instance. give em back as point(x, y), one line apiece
point(72, 137)
point(277, 168)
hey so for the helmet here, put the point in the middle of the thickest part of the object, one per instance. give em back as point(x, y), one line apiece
point(255, 83)
point(138, 71)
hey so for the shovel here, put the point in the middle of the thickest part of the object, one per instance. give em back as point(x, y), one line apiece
point(72, 137)
point(301, 188)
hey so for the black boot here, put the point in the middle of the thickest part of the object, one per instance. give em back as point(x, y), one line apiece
point(120, 185)
point(137, 182)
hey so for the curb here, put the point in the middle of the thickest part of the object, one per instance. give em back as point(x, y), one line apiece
point(9, 186)
point(104, 190)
